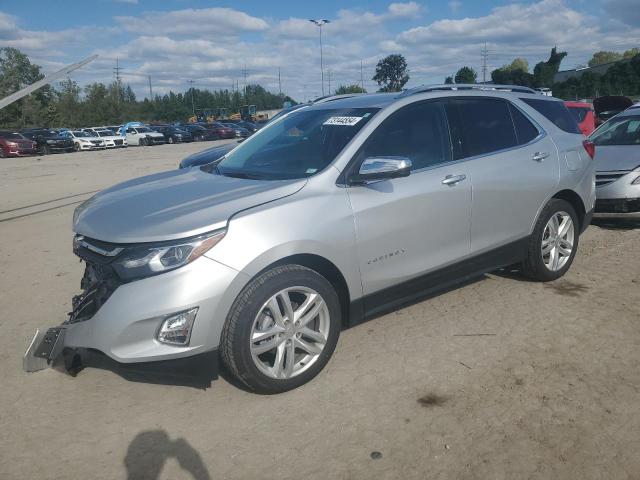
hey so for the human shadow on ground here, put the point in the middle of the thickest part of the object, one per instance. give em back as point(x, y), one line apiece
point(149, 451)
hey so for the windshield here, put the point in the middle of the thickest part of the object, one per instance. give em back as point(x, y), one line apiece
point(297, 146)
point(619, 131)
point(105, 133)
point(11, 136)
point(143, 129)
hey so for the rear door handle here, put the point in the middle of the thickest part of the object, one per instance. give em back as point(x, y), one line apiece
point(540, 156)
point(453, 179)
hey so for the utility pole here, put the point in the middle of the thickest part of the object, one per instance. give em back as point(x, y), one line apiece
point(244, 73)
point(329, 77)
point(193, 105)
point(279, 83)
point(484, 53)
point(361, 76)
point(150, 89)
point(116, 71)
point(320, 23)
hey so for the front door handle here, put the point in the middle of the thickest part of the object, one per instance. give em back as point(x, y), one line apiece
point(453, 179)
point(540, 156)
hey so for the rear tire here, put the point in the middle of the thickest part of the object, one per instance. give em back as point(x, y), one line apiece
point(263, 347)
point(554, 242)
point(170, 139)
point(76, 147)
point(142, 142)
point(2, 152)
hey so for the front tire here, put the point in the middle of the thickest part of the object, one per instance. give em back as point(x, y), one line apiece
point(281, 330)
point(554, 242)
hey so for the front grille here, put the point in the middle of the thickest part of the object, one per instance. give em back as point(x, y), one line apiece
point(118, 142)
point(618, 205)
point(96, 142)
point(99, 280)
point(605, 178)
point(98, 283)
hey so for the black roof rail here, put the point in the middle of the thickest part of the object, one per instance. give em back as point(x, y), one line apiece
point(466, 86)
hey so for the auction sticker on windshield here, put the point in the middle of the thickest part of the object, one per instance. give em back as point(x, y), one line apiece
point(346, 121)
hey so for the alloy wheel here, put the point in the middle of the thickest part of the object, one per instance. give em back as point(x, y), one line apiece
point(557, 241)
point(289, 332)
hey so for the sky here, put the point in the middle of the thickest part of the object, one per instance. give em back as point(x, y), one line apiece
point(214, 43)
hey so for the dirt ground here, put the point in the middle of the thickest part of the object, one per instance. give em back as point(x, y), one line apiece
point(499, 379)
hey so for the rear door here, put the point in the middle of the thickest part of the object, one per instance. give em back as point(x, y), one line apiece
point(513, 166)
point(409, 226)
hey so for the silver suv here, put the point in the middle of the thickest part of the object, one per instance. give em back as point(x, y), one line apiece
point(332, 214)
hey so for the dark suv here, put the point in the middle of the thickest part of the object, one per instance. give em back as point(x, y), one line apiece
point(48, 141)
point(173, 134)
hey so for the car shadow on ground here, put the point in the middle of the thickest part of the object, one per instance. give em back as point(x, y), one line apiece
point(149, 451)
point(615, 224)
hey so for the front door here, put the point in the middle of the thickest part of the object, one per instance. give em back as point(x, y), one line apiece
point(410, 226)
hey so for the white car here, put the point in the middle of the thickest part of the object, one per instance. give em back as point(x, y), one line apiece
point(84, 140)
point(111, 140)
point(142, 135)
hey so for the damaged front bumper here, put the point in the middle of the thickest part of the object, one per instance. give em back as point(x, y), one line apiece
point(114, 324)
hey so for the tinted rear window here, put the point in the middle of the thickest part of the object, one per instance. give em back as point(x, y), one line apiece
point(556, 112)
point(479, 126)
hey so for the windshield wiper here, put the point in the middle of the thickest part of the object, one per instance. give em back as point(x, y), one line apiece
point(248, 176)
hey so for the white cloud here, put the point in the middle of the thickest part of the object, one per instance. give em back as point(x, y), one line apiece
point(194, 22)
point(404, 10)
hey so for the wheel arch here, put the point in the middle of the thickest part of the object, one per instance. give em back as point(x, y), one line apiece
point(576, 202)
point(324, 267)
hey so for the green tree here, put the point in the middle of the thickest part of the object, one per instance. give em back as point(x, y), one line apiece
point(632, 52)
point(544, 72)
point(353, 88)
point(517, 64)
point(391, 73)
point(466, 75)
point(17, 72)
point(448, 80)
point(603, 56)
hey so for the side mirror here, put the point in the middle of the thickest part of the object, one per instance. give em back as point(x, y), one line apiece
point(381, 168)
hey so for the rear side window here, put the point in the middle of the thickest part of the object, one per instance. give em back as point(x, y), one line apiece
point(480, 126)
point(525, 130)
point(556, 112)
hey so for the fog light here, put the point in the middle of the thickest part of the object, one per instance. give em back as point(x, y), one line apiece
point(176, 329)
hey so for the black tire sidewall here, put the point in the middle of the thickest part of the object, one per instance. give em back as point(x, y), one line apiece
point(535, 255)
point(246, 308)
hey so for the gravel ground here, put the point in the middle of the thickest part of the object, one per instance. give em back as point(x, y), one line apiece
point(550, 390)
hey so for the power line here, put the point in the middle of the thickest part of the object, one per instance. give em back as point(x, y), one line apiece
point(116, 71)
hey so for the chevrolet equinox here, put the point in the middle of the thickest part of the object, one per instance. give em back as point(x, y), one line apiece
point(334, 213)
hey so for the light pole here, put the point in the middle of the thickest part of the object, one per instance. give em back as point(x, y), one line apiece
point(320, 23)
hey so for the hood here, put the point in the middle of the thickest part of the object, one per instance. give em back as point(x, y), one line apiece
point(610, 158)
point(173, 205)
point(611, 102)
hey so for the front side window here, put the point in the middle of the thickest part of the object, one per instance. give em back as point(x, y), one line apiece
point(296, 146)
point(417, 132)
point(619, 131)
point(480, 126)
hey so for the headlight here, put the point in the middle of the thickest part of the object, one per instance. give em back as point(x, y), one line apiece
point(143, 261)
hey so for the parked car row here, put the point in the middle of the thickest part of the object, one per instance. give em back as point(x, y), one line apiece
point(44, 141)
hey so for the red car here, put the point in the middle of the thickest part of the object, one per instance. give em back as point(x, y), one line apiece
point(13, 144)
point(222, 131)
point(584, 115)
